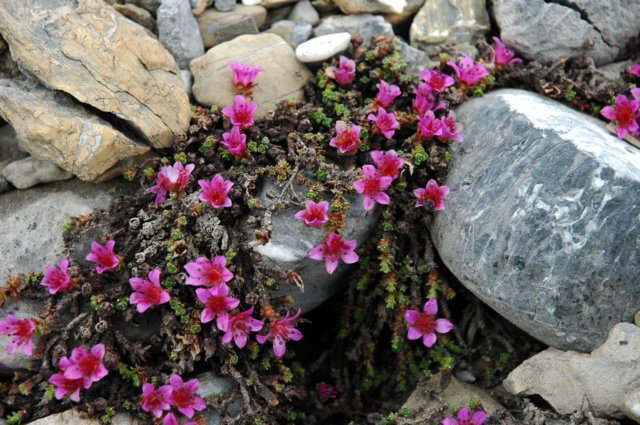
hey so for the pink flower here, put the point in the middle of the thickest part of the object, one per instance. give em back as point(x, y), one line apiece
point(429, 126)
point(103, 256)
point(203, 272)
point(170, 419)
point(635, 70)
point(148, 293)
point(347, 138)
point(334, 248)
point(235, 142)
point(468, 73)
point(244, 76)
point(57, 278)
point(66, 386)
point(450, 128)
point(156, 401)
point(215, 193)
point(183, 395)
point(239, 327)
point(386, 94)
point(281, 331)
point(173, 179)
point(425, 101)
point(433, 193)
point(465, 418)
point(435, 81)
point(386, 123)
point(21, 331)
point(388, 163)
point(87, 365)
point(503, 56)
point(325, 391)
point(623, 115)
point(344, 73)
point(216, 304)
point(425, 325)
point(314, 214)
point(372, 186)
point(241, 113)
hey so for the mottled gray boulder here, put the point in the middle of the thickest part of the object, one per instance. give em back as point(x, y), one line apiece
point(28, 172)
point(548, 30)
point(178, 31)
point(365, 25)
point(542, 219)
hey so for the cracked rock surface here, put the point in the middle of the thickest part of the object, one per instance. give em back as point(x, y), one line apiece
point(546, 30)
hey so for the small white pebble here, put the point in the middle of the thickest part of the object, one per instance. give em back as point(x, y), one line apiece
point(323, 47)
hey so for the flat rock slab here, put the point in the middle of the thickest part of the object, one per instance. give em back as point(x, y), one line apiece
point(598, 382)
point(283, 77)
point(52, 126)
point(88, 50)
point(542, 219)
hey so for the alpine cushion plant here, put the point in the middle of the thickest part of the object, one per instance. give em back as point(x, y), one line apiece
point(434, 81)
point(215, 192)
point(183, 395)
point(170, 419)
point(450, 129)
point(282, 330)
point(235, 142)
point(334, 249)
point(385, 123)
point(172, 179)
point(344, 73)
point(244, 76)
point(240, 325)
point(432, 192)
point(217, 304)
point(623, 115)
point(387, 163)
point(424, 102)
point(156, 401)
point(86, 365)
point(372, 186)
point(203, 272)
point(64, 385)
point(425, 325)
point(148, 293)
point(429, 126)
point(387, 93)
point(503, 57)
point(314, 214)
point(57, 279)
point(347, 139)
point(21, 332)
point(464, 417)
point(241, 112)
point(103, 256)
point(468, 73)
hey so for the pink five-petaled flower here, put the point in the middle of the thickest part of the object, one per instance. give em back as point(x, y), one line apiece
point(426, 101)
point(239, 327)
point(217, 304)
point(314, 214)
point(386, 123)
point(635, 70)
point(372, 186)
point(388, 163)
point(623, 115)
point(503, 56)
point(21, 331)
point(156, 401)
point(465, 418)
point(344, 73)
point(244, 76)
point(333, 249)
point(87, 365)
point(386, 94)
point(467, 72)
point(425, 325)
point(282, 329)
point(347, 138)
point(429, 126)
point(183, 396)
point(450, 129)
point(203, 272)
point(57, 278)
point(173, 179)
point(241, 113)
point(65, 385)
point(325, 391)
point(148, 293)
point(437, 82)
point(433, 193)
point(170, 419)
point(215, 192)
point(235, 142)
point(103, 256)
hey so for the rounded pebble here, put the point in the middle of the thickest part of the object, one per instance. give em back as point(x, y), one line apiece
point(251, 2)
point(323, 47)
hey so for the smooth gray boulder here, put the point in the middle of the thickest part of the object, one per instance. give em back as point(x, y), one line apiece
point(542, 222)
point(178, 31)
point(30, 171)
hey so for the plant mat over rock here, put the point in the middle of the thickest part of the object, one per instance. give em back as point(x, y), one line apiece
point(355, 345)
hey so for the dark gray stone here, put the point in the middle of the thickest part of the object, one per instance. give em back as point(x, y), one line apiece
point(416, 59)
point(365, 25)
point(542, 219)
point(178, 31)
point(225, 5)
point(547, 30)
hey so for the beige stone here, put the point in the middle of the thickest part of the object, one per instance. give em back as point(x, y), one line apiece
point(75, 417)
point(370, 6)
point(408, 11)
point(283, 77)
point(90, 51)
point(258, 13)
point(137, 14)
point(52, 126)
point(217, 27)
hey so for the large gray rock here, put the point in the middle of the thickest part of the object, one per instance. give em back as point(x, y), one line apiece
point(365, 25)
point(600, 382)
point(542, 219)
point(30, 171)
point(178, 31)
point(546, 30)
point(303, 11)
